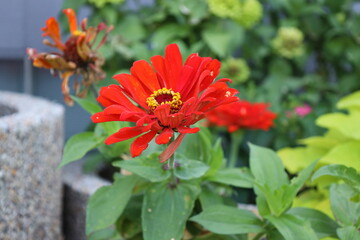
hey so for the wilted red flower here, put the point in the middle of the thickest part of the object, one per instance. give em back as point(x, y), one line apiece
point(242, 114)
point(164, 98)
point(77, 55)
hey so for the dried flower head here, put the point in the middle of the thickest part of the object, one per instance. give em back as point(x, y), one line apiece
point(77, 55)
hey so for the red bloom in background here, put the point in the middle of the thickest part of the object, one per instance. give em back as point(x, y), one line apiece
point(242, 114)
point(77, 55)
point(164, 98)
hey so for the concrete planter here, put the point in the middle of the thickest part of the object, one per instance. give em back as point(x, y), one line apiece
point(31, 142)
point(78, 187)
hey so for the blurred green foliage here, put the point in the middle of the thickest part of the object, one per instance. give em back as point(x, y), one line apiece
point(339, 145)
point(320, 64)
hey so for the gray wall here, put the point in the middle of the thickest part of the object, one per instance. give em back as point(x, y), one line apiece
point(20, 23)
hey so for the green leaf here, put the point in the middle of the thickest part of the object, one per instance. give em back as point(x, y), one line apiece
point(208, 197)
point(218, 41)
point(280, 199)
point(296, 159)
point(277, 200)
point(197, 10)
point(320, 142)
point(107, 204)
point(147, 167)
point(129, 225)
point(262, 205)
point(90, 106)
point(189, 169)
point(228, 220)
point(348, 233)
point(105, 234)
point(347, 153)
point(205, 146)
point(345, 211)
point(168, 33)
point(131, 28)
point(92, 163)
point(78, 145)
point(274, 234)
point(346, 124)
point(165, 210)
point(197, 146)
point(267, 167)
point(298, 182)
point(293, 228)
point(349, 175)
point(110, 14)
point(350, 101)
point(216, 158)
point(213, 236)
point(322, 224)
point(238, 177)
point(73, 4)
point(108, 128)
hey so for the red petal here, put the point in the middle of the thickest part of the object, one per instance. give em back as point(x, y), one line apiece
point(188, 130)
point(189, 106)
point(173, 63)
point(158, 63)
point(165, 136)
point(52, 30)
point(176, 120)
point(133, 88)
point(70, 14)
point(144, 72)
point(214, 68)
point(101, 117)
point(192, 87)
point(124, 134)
point(170, 150)
point(162, 112)
point(113, 95)
point(186, 75)
point(141, 143)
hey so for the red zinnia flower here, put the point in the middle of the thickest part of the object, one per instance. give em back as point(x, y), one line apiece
point(242, 114)
point(77, 56)
point(164, 98)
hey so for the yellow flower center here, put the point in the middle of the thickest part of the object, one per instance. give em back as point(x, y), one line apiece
point(165, 96)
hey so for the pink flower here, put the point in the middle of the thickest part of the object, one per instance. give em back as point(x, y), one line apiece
point(303, 110)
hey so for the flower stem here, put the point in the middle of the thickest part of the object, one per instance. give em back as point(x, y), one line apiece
point(171, 165)
point(236, 138)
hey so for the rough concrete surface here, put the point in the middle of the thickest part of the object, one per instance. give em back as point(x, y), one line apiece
point(78, 187)
point(31, 142)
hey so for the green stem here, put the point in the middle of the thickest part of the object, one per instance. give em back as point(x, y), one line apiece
point(236, 138)
point(171, 166)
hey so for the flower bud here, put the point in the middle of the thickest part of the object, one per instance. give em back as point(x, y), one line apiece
point(101, 3)
point(235, 69)
point(224, 8)
point(289, 42)
point(250, 14)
